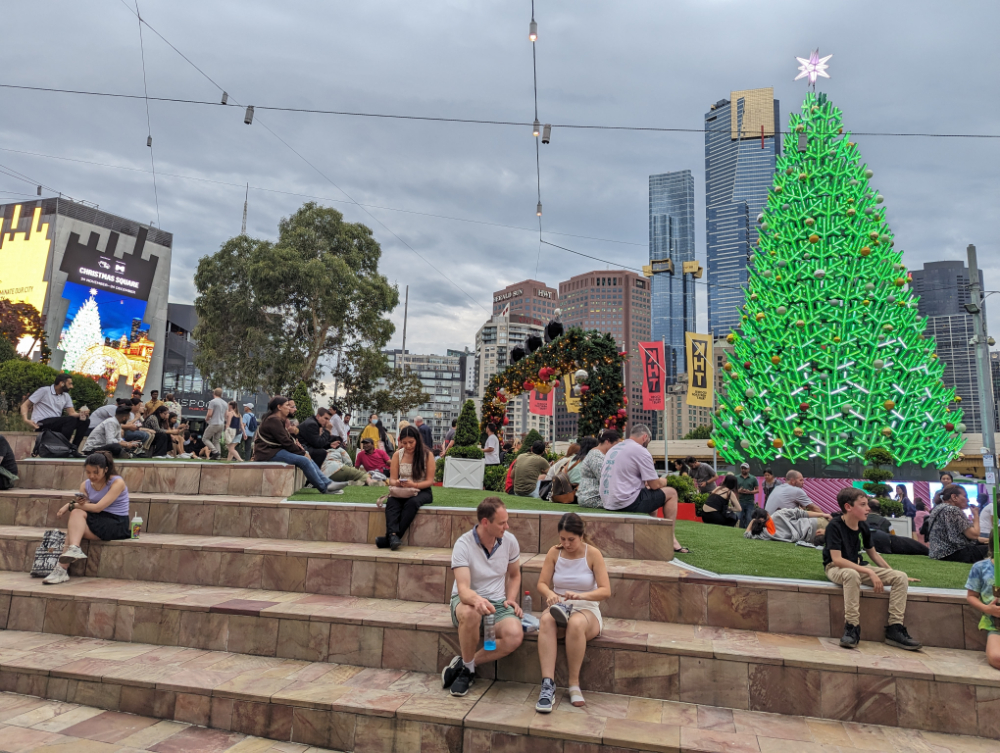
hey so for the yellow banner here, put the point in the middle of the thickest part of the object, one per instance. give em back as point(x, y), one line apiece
point(572, 403)
point(701, 370)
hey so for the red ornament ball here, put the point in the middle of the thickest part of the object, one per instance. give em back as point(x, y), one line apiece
point(949, 426)
point(803, 406)
point(625, 400)
point(506, 420)
point(747, 364)
point(584, 388)
point(528, 384)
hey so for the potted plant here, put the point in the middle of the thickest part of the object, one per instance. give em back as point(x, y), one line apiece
point(464, 463)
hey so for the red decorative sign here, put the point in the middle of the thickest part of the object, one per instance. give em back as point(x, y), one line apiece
point(542, 405)
point(652, 375)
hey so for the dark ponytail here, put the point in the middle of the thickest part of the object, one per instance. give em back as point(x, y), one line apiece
point(573, 523)
point(758, 521)
point(103, 460)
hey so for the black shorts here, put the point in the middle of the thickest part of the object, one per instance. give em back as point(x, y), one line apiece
point(107, 526)
point(649, 500)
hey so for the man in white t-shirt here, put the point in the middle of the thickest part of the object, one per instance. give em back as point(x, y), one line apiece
point(43, 411)
point(790, 494)
point(215, 420)
point(487, 571)
point(492, 447)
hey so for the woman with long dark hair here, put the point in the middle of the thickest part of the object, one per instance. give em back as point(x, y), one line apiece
point(273, 442)
point(99, 512)
point(574, 581)
point(158, 423)
point(722, 504)
point(411, 477)
point(909, 509)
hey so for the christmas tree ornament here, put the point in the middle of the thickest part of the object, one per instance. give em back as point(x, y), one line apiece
point(887, 432)
point(747, 364)
point(711, 443)
point(949, 426)
point(584, 388)
point(960, 428)
point(958, 398)
point(750, 392)
point(865, 251)
point(760, 316)
point(775, 360)
point(797, 431)
point(800, 323)
point(819, 274)
point(778, 444)
point(727, 366)
point(814, 238)
point(744, 443)
point(810, 222)
point(747, 422)
point(581, 375)
point(878, 363)
point(889, 404)
point(803, 407)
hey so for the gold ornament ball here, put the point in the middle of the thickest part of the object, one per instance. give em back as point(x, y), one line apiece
point(958, 398)
point(886, 432)
point(888, 405)
point(851, 212)
point(814, 238)
point(836, 338)
point(798, 431)
point(803, 176)
point(810, 222)
point(738, 409)
point(760, 317)
point(730, 338)
point(866, 302)
point(775, 360)
point(873, 235)
point(865, 250)
point(934, 356)
point(711, 443)
point(900, 282)
point(727, 366)
point(778, 444)
point(800, 323)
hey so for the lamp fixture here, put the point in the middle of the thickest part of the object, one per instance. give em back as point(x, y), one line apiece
point(248, 118)
point(532, 30)
point(538, 209)
point(536, 128)
point(547, 133)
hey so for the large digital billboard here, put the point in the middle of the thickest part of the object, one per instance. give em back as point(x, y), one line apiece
point(23, 259)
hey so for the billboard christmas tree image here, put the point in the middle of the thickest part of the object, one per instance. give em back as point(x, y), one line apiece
point(830, 357)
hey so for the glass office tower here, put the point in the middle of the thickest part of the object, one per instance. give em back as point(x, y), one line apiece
point(742, 141)
point(671, 236)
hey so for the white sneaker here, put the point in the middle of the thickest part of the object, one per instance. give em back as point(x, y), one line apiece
point(58, 575)
point(185, 455)
point(72, 553)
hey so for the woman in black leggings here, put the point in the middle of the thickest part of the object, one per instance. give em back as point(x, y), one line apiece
point(411, 477)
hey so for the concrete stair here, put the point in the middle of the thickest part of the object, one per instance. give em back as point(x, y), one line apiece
point(244, 612)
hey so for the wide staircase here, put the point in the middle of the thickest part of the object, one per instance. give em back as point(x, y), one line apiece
point(241, 611)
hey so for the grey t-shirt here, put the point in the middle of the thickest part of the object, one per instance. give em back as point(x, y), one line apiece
point(488, 575)
point(102, 414)
point(219, 408)
point(787, 495)
point(47, 403)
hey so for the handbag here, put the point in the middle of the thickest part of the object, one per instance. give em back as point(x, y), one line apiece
point(403, 492)
point(563, 490)
point(47, 553)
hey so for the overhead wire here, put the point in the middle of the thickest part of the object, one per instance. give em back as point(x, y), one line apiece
point(149, 128)
point(470, 121)
point(316, 169)
point(538, 161)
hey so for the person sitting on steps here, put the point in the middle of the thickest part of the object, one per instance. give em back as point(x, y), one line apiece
point(843, 564)
point(99, 512)
point(486, 564)
point(411, 477)
point(573, 582)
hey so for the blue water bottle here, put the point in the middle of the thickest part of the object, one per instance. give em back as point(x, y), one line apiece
point(489, 633)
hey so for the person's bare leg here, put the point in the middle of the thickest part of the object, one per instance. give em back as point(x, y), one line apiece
point(510, 634)
point(469, 621)
point(76, 531)
point(993, 650)
point(548, 645)
point(670, 510)
point(581, 628)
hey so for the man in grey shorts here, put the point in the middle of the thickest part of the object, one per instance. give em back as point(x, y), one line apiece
point(487, 571)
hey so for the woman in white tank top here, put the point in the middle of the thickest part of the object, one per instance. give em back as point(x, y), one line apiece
point(573, 582)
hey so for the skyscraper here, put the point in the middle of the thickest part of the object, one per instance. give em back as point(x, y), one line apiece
point(617, 303)
point(671, 236)
point(742, 141)
point(529, 298)
point(943, 287)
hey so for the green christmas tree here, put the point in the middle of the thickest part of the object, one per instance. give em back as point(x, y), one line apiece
point(303, 401)
point(83, 333)
point(831, 358)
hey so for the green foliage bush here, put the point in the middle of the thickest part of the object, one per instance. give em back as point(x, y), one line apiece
point(876, 475)
point(684, 487)
point(7, 350)
point(699, 502)
point(439, 470)
point(303, 402)
point(529, 439)
point(18, 379)
point(467, 435)
point(494, 478)
point(471, 452)
point(890, 508)
point(86, 391)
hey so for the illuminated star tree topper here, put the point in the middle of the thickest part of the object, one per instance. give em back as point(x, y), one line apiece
point(813, 67)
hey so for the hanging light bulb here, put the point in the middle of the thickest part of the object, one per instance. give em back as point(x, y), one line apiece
point(538, 209)
point(536, 128)
point(248, 118)
point(547, 133)
point(149, 141)
point(532, 30)
point(225, 97)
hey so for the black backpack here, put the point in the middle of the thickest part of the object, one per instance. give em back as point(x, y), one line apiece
point(52, 444)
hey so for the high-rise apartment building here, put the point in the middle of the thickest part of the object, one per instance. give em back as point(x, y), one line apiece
point(995, 377)
point(671, 236)
point(618, 303)
point(742, 142)
point(530, 298)
point(494, 342)
point(442, 379)
point(943, 287)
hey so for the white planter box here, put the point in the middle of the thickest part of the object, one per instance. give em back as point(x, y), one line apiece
point(464, 473)
point(901, 527)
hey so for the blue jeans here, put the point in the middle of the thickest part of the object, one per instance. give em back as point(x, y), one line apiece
point(746, 513)
point(312, 471)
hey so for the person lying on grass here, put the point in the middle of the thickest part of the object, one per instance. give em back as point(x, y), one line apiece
point(791, 524)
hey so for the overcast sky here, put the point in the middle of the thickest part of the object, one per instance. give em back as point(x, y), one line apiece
point(904, 66)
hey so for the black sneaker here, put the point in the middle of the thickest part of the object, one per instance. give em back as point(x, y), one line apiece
point(463, 683)
point(896, 635)
point(852, 636)
point(546, 699)
point(381, 542)
point(449, 673)
point(394, 542)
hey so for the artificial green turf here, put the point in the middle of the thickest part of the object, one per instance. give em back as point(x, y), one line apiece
point(714, 548)
point(445, 498)
point(724, 550)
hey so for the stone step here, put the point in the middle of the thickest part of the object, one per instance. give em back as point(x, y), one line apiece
point(170, 476)
point(739, 669)
point(644, 590)
point(638, 537)
point(372, 710)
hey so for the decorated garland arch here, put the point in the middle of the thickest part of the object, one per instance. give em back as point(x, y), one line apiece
point(591, 356)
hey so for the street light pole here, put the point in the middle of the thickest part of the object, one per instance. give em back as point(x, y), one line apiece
point(981, 344)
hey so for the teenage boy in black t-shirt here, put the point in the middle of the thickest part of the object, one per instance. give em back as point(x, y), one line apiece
point(844, 565)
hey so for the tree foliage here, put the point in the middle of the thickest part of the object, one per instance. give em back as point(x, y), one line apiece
point(876, 474)
point(18, 379)
point(366, 382)
point(529, 439)
point(699, 432)
point(7, 350)
point(271, 315)
point(18, 320)
point(467, 434)
point(303, 402)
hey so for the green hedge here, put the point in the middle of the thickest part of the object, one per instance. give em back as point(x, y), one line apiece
point(18, 379)
point(494, 478)
point(891, 508)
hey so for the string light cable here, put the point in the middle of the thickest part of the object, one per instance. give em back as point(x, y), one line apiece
point(149, 128)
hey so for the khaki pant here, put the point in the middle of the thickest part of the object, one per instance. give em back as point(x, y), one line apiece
point(851, 580)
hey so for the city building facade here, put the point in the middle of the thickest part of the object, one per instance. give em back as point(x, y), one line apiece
point(618, 303)
point(443, 383)
point(529, 298)
point(671, 236)
point(742, 142)
point(467, 366)
point(943, 287)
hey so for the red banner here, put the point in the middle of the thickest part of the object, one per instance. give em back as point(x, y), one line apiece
point(542, 405)
point(652, 375)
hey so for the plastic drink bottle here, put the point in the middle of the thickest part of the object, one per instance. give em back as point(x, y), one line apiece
point(136, 526)
point(526, 602)
point(489, 633)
